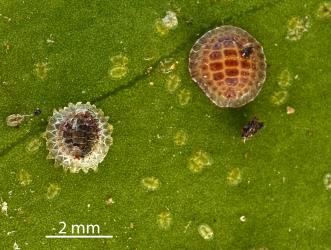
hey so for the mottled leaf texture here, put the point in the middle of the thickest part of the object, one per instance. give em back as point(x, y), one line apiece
point(178, 174)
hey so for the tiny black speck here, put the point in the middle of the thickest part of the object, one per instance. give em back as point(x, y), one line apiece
point(246, 52)
point(37, 112)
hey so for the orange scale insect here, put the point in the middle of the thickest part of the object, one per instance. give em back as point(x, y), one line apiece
point(231, 55)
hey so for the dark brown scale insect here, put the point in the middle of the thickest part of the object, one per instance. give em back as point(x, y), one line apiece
point(78, 137)
point(251, 128)
point(80, 133)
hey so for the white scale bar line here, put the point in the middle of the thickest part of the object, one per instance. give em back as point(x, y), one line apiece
point(78, 236)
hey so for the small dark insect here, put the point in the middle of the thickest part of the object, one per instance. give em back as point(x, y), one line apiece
point(37, 112)
point(246, 52)
point(251, 128)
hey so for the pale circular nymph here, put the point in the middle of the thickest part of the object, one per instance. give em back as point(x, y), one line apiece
point(78, 137)
point(229, 66)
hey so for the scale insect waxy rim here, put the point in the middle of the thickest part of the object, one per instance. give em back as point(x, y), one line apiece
point(78, 137)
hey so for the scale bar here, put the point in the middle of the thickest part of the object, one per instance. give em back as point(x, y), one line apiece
point(79, 236)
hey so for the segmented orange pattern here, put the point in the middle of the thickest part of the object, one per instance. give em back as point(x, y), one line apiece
point(218, 63)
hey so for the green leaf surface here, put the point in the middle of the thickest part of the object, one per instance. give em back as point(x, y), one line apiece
point(272, 192)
